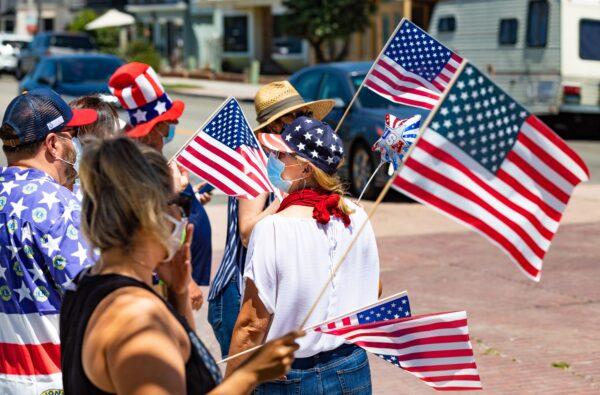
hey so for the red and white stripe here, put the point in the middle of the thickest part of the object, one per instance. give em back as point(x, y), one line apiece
point(146, 89)
point(435, 347)
point(237, 173)
point(29, 349)
point(392, 81)
point(274, 142)
point(443, 79)
point(519, 208)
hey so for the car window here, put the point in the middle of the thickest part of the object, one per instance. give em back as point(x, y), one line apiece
point(589, 37)
point(77, 42)
point(332, 87)
point(78, 70)
point(308, 85)
point(45, 70)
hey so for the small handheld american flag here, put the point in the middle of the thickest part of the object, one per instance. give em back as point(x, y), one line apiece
point(413, 69)
point(435, 347)
point(389, 308)
point(225, 153)
point(487, 162)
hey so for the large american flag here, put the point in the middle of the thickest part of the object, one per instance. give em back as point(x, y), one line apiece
point(226, 154)
point(390, 308)
point(490, 164)
point(435, 347)
point(413, 69)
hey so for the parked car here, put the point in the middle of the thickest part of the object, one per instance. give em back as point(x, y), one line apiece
point(51, 43)
point(10, 47)
point(544, 53)
point(364, 123)
point(72, 75)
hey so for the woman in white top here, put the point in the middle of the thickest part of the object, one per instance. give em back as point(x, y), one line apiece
point(290, 257)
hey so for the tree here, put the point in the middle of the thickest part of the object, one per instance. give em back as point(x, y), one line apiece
point(327, 21)
point(107, 39)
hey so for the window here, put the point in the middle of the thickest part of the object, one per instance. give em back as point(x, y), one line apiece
point(87, 70)
point(332, 88)
point(236, 33)
point(75, 42)
point(447, 24)
point(284, 44)
point(308, 85)
point(508, 31)
point(589, 37)
point(537, 23)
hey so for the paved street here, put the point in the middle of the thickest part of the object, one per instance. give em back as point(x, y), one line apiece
point(529, 338)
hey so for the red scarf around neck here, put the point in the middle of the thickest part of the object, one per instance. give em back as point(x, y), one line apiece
point(324, 204)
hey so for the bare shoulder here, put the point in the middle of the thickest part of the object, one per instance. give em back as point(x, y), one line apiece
point(121, 317)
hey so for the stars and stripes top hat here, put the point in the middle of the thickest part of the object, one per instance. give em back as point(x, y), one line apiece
point(139, 91)
point(310, 139)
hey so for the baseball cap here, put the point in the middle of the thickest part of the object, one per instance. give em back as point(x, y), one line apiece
point(310, 139)
point(36, 113)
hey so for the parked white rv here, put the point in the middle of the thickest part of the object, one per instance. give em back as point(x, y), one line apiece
point(545, 53)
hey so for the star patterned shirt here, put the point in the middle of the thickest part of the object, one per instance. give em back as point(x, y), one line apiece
point(41, 251)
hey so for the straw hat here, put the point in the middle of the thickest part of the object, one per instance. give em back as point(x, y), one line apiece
point(279, 98)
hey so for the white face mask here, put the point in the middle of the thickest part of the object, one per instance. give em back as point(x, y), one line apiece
point(177, 236)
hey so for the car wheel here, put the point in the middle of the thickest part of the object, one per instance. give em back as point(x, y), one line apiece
point(362, 166)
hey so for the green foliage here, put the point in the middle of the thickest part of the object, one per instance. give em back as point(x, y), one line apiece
point(107, 39)
point(324, 21)
point(143, 51)
point(561, 365)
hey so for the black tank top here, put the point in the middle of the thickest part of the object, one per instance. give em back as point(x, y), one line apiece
point(201, 371)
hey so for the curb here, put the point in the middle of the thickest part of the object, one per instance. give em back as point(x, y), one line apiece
point(209, 95)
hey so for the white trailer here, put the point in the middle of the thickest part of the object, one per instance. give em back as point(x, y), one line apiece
point(545, 53)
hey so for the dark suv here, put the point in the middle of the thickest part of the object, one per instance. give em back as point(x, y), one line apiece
point(51, 43)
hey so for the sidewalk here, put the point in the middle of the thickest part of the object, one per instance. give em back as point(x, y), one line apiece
point(210, 88)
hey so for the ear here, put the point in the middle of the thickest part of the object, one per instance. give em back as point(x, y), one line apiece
point(51, 143)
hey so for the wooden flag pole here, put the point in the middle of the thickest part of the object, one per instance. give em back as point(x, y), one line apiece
point(337, 128)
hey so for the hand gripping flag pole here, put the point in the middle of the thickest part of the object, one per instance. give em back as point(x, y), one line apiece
point(366, 221)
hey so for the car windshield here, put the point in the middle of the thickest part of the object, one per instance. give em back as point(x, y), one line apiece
point(76, 42)
point(14, 43)
point(87, 70)
point(368, 98)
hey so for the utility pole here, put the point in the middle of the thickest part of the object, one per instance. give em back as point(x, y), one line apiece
point(40, 21)
point(407, 9)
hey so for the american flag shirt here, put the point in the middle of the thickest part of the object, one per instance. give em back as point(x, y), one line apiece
point(41, 251)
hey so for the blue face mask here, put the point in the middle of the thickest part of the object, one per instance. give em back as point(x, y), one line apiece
point(78, 152)
point(275, 168)
point(170, 135)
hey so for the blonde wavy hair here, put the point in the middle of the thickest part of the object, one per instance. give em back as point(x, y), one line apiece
point(126, 188)
point(329, 183)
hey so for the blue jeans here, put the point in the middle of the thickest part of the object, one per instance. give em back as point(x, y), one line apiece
point(222, 314)
point(343, 372)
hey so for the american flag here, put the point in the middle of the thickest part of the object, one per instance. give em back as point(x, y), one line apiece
point(488, 163)
point(434, 347)
point(225, 153)
point(390, 308)
point(413, 69)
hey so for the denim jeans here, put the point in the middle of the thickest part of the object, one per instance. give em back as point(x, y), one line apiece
point(341, 374)
point(222, 314)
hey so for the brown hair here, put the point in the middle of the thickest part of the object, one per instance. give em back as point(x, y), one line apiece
point(126, 188)
point(22, 151)
point(107, 124)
